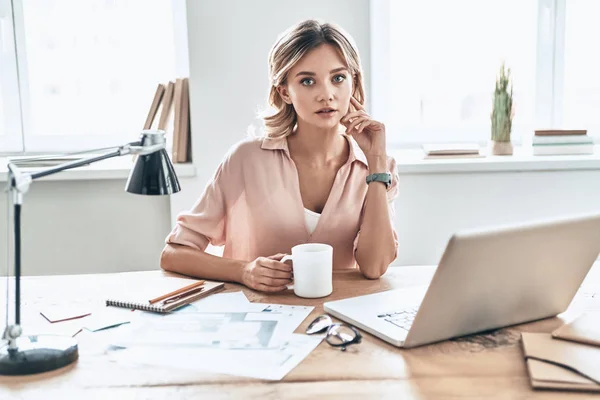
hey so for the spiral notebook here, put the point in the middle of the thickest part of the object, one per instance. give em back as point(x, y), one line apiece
point(141, 300)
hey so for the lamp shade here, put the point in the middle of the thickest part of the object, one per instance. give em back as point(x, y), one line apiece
point(153, 174)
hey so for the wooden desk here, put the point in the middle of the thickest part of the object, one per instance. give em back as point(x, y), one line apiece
point(482, 366)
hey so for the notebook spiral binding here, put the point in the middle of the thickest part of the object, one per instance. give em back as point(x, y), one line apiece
point(136, 306)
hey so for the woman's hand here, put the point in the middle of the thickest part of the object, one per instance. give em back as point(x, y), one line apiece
point(368, 133)
point(267, 274)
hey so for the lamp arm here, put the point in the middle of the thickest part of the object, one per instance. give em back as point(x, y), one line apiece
point(22, 180)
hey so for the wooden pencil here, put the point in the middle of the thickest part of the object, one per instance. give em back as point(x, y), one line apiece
point(176, 292)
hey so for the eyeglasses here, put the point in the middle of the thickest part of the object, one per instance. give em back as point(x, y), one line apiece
point(338, 335)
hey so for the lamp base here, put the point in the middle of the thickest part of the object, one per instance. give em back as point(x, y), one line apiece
point(38, 353)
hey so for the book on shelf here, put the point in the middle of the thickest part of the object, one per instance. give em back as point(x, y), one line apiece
point(450, 156)
point(562, 139)
point(184, 125)
point(451, 150)
point(172, 99)
point(562, 142)
point(562, 149)
point(181, 128)
point(177, 119)
point(560, 132)
point(167, 102)
point(158, 96)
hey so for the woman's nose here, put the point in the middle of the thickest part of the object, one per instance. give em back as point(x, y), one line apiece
point(326, 93)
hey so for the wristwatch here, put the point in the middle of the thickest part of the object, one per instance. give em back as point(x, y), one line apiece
point(384, 177)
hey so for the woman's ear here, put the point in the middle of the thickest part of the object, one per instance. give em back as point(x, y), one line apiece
point(285, 95)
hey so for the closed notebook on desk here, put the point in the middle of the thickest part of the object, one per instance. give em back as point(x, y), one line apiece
point(584, 329)
point(560, 364)
point(140, 299)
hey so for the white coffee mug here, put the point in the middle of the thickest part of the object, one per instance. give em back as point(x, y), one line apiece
point(313, 269)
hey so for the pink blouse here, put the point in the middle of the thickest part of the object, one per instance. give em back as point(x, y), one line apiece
point(253, 206)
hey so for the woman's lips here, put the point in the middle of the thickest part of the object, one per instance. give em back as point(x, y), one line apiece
point(326, 114)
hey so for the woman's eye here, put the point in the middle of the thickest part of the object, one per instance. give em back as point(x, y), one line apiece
point(307, 81)
point(339, 78)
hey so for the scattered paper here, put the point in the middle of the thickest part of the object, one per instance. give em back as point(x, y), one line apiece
point(288, 319)
point(222, 302)
point(270, 364)
point(216, 330)
point(223, 333)
point(104, 320)
point(66, 328)
point(59, 314)
point(94, 319)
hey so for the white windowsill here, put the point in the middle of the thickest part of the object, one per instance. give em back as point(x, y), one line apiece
point(411, 161)
point(114, 168)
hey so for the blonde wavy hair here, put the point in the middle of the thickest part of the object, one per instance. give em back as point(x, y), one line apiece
point(289, 48)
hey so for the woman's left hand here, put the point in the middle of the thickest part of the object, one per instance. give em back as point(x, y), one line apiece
point(368, 133)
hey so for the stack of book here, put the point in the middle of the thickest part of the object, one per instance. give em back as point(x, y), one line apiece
point(451, 150)
point(562, 142)
point(173, 98)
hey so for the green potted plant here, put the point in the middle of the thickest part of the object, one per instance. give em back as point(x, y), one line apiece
point(502, 114)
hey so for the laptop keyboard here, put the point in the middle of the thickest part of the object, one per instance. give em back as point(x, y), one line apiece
point(401, 318)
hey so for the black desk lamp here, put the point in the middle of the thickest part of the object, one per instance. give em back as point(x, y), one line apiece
point(152, 174)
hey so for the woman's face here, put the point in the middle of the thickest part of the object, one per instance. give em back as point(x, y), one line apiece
point(319, 86)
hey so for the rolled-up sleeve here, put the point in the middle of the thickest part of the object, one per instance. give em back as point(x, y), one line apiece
point(392, 195)
point(205, 223)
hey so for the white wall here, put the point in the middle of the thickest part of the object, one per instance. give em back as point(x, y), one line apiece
point(433, 206)
point(73, 227)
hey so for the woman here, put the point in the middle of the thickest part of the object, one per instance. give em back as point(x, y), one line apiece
point(305, 181)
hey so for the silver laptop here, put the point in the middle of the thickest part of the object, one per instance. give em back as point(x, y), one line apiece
point(486, 279)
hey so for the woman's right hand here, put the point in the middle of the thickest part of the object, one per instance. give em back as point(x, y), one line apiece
point(267, 274)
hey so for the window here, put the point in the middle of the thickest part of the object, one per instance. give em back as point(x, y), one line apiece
point(2, 118)
point(10, 109)
point(581, 96)
point(88, 69)
point(434, 74)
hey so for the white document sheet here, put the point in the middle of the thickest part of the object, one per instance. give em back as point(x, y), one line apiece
point(232, 330)
point(229, 330)
point(269, 364)
point(288, 317)
point(222, 302)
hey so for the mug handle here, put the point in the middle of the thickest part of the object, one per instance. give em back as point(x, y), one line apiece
point(286, 258)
